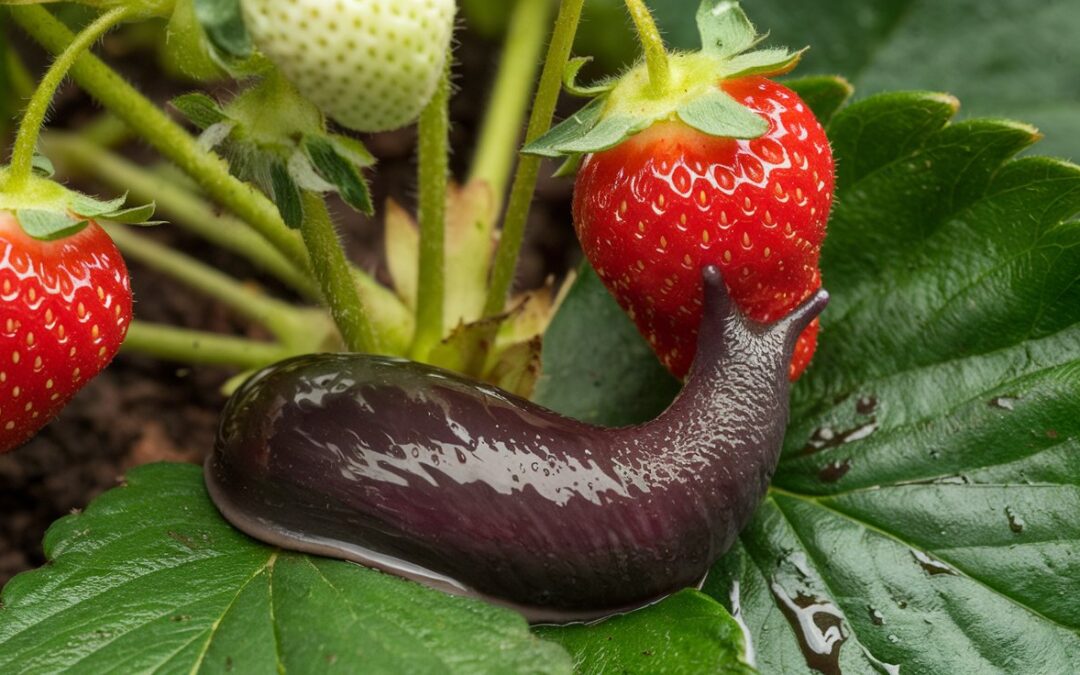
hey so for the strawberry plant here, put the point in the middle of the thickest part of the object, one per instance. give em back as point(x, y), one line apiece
point(921, 517)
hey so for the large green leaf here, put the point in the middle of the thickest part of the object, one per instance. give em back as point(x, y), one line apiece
point(924, 511)
point(151, 579)
point(1009, 58)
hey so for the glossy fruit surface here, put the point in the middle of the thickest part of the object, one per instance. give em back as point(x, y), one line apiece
point(653, 210)
point(65, 307)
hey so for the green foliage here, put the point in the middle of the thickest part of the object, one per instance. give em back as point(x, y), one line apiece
point(687, 633)
point(150, 578)
point(920, 514)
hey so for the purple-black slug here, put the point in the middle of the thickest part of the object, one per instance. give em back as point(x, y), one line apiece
point(423, 473)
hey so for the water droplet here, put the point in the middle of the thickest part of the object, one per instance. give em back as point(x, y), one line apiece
point(1004, 402)
point(460, 456)
point(834, 471)
point(818, 625)
point(932, 566)
point(893, 639)
point(866, 405)
point(875, 616)
point(1016, 523)
point(736, 613)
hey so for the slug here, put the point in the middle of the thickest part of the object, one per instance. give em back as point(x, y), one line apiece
point(425, 474)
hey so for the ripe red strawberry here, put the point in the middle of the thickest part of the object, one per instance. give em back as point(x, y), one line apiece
point(65, 306)
point(652, 211)
point(692, 159)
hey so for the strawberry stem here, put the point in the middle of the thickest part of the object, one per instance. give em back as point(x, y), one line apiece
point(528, 168)
point(433, 151)
point(22, 156)
point(285, 321)
point(656, 56)
point(335, 276)
point(501, 128)
point(198, 347)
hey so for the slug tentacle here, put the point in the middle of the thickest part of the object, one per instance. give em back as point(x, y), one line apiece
point(421, 472)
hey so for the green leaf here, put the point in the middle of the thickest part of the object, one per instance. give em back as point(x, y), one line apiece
point(923, 512)
point(150, 578)
point(686, 633)
point(718, 114)
point(223, 22)
point(286, 195)
point(611, 378)
point(724, 27)
point(202, 110)
point(339, 171)
point(825, 94)
point(49, 225)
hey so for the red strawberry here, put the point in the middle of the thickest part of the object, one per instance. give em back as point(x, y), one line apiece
point(692, 159)
point(65, 306)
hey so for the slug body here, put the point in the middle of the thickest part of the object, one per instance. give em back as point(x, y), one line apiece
point(425, 474)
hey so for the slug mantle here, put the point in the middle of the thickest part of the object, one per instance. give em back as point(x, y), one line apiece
point(422, 473)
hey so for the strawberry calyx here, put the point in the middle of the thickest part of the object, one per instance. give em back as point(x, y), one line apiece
point(47, 211)
point(278, 140)
point(689, 93)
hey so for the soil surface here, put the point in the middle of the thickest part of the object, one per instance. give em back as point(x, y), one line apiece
point(141, 410)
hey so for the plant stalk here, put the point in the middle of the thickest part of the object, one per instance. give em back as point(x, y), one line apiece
point(169, 138)
point(656, 56)
point(501, 128)
point(178, 204)
point(335, 276)
point(433, 151)
point(198, 347)
point(22, 156)
point(281, 319)
point(528, 168)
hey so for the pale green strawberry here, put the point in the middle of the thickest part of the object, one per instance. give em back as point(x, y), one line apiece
point(371, 65)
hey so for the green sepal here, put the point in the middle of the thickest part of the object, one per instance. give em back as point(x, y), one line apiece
point(286, 195)
point(569, 167)
point(200, 109)
point(824, 94)
point(764, 62)
point(571, 128)
point(571, 86)
point(339, 171)
point(46, 225)
point(717, 114)
point(134, 215)
point(223, 22)
point(42, 166)
point(87, 206)
point(725, 29)
point(352, 150)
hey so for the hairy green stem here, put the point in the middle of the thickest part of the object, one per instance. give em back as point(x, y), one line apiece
point(281, 319)
point(178, 204)
point(169, 138)
point(22, 156)
point(197, 347)
point(335, 276)
point(656, 56)
point(433, 160)
point(528, 168)
point(501, 128)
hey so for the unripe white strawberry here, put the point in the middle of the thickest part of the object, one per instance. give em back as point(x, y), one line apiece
point(371, 65)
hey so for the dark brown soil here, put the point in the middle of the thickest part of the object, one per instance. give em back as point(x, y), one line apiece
point(140, 410)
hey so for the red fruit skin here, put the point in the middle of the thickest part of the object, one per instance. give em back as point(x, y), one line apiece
point(652, 211)
point(65, 307)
